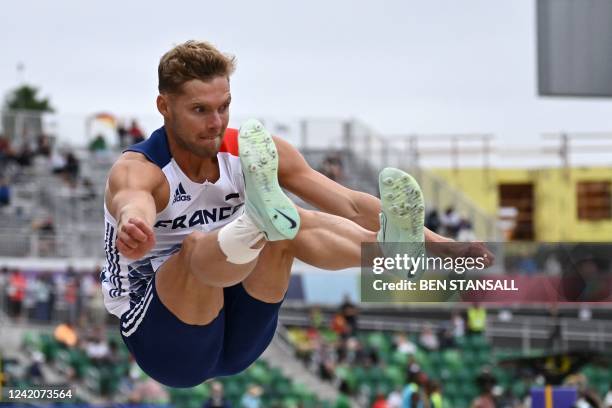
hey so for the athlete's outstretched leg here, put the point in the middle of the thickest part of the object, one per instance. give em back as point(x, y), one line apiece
point(331, 242)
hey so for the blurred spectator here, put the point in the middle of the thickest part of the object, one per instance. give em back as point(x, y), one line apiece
point(87, 286)
point(71, 170)
point(25, 155)
point(90, 287)
point(527, 265)
point(98, 144)
point(343, 400)
point(485, 399)
point(217, 398)
point(446, 336)
point(554, 341)
point(332, 167)
point(432, 220)
point(352, 352)
point(43, 298)
point(59, 287)
point(505, 315)
point(58, 162)
point(316, 317)
point(412, 367)
point(6, 154)
point(428, 338)
point(66, 334)
point(394, 400)
point(349, 312)
point(50, 281)
point(46, 234)
point(450, 222)
point(458, 324)
point(585, 313)
point(340, 326)
point(135, 132)
point(71, 296)
point(16, 293)
point(29, 301)
point(380, 401)
point(403, 345)
point(477, 319)
point(4, 286)
point(34, 373)
point(113, 357)
point(324, 359)
point(587, 398)
point(435, 395)
point(252, 398)
point(97, 311)
point(122, 135)
point(43, 146)
point(608, 398)
point(552, 266)
point(5, 192)
point(96, 348)
point(89, 190)
point(410, 393)
point(149, 391)
point(465, 232)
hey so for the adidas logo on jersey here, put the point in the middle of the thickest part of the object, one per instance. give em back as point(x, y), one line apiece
point(180, 194)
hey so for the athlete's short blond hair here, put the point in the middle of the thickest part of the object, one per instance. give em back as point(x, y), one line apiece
point(192, 60)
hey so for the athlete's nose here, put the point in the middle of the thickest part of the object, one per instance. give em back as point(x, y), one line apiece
point(215, 121)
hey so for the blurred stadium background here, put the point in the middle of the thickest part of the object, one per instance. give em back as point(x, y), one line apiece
point(330, 349)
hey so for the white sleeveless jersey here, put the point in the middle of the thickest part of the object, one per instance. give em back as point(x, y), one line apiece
point(191, 207)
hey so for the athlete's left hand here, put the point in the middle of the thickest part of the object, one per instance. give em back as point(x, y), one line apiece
point(135, 238)
point(478, 249)
point(455, 249)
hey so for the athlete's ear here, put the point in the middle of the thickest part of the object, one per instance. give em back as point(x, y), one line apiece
point(162, 104)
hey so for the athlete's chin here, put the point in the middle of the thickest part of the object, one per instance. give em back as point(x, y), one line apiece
point(207, 148)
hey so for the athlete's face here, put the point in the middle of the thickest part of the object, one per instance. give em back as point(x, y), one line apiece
point(197, 117)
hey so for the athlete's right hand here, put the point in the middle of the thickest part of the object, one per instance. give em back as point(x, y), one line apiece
point(135, 239)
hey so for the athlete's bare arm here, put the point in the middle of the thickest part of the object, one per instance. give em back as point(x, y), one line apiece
point(134, 193)
point(297, 176)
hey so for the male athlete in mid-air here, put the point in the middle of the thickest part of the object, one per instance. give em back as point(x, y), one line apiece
point(200, 237)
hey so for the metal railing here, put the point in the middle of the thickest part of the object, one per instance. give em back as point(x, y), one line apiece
point(523, 332)
point(403, 153)
point(69, 243)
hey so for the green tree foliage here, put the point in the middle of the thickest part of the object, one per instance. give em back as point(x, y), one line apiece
point(25, 97)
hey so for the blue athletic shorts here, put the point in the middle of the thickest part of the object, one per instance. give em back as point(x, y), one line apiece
point(177, 354)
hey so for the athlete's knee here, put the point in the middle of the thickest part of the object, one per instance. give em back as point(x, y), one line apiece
point(202, 258)
point(191, 242)
point(192, 254)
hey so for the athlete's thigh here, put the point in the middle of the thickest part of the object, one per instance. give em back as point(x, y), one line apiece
point(190, 300)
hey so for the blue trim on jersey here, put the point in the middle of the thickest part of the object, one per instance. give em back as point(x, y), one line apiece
point(112, 269)
point(141, 272)
point(155, 148)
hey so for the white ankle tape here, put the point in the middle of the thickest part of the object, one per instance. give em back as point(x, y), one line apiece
point(237, 238)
